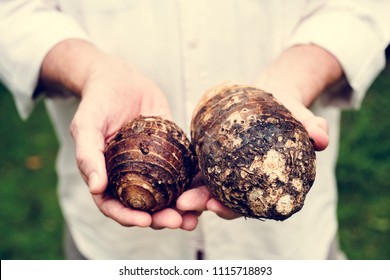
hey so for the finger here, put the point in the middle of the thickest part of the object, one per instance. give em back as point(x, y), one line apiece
point(223, 212)
point(113, 209)
point(156, 104)
point(317, 129)
point(190, 221)
point(194, 199)
point(90, 158)
point(167, 218)
point(165, 114)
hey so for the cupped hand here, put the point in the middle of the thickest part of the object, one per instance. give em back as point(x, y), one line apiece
point(113, 94)
point(295, 80)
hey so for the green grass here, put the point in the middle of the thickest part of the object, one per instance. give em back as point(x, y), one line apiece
point(364, 175)
point(31, 223)
point(30, 219)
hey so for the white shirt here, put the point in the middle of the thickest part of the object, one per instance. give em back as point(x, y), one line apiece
point(187, 47)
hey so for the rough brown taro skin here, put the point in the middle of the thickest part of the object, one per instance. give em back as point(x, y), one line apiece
point(149, 162)
point(255, 157)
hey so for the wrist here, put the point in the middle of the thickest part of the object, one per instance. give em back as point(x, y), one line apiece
point(68, 64)
point(302, 72)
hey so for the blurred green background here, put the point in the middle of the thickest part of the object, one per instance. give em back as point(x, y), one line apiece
point(30, 219)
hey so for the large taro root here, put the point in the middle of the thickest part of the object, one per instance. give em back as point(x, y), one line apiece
point(255, 157)
point(149, 162)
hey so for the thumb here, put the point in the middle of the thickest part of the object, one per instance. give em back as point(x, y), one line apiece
point(90, 157)
point(317, 129)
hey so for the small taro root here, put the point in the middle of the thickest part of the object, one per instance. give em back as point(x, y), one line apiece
point(149, 162)
point(255, 157)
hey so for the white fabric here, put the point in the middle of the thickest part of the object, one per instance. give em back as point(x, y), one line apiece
point(186, 47)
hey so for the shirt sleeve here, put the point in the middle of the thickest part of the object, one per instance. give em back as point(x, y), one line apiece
point(356, 33)
point(28, 30)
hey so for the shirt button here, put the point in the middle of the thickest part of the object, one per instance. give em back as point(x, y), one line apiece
point(192, 44)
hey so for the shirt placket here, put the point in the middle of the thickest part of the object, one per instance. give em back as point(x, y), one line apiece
point(194, 52)
point(193, 23)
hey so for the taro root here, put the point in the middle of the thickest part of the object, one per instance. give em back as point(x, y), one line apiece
point(256, 159)
point(149, 162)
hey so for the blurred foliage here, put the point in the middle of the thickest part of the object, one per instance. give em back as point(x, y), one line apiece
point(363, 173)
point(31, 224)
point(30, 218)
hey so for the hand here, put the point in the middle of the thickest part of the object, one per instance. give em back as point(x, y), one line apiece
point(296, 80)
point(112, 93)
